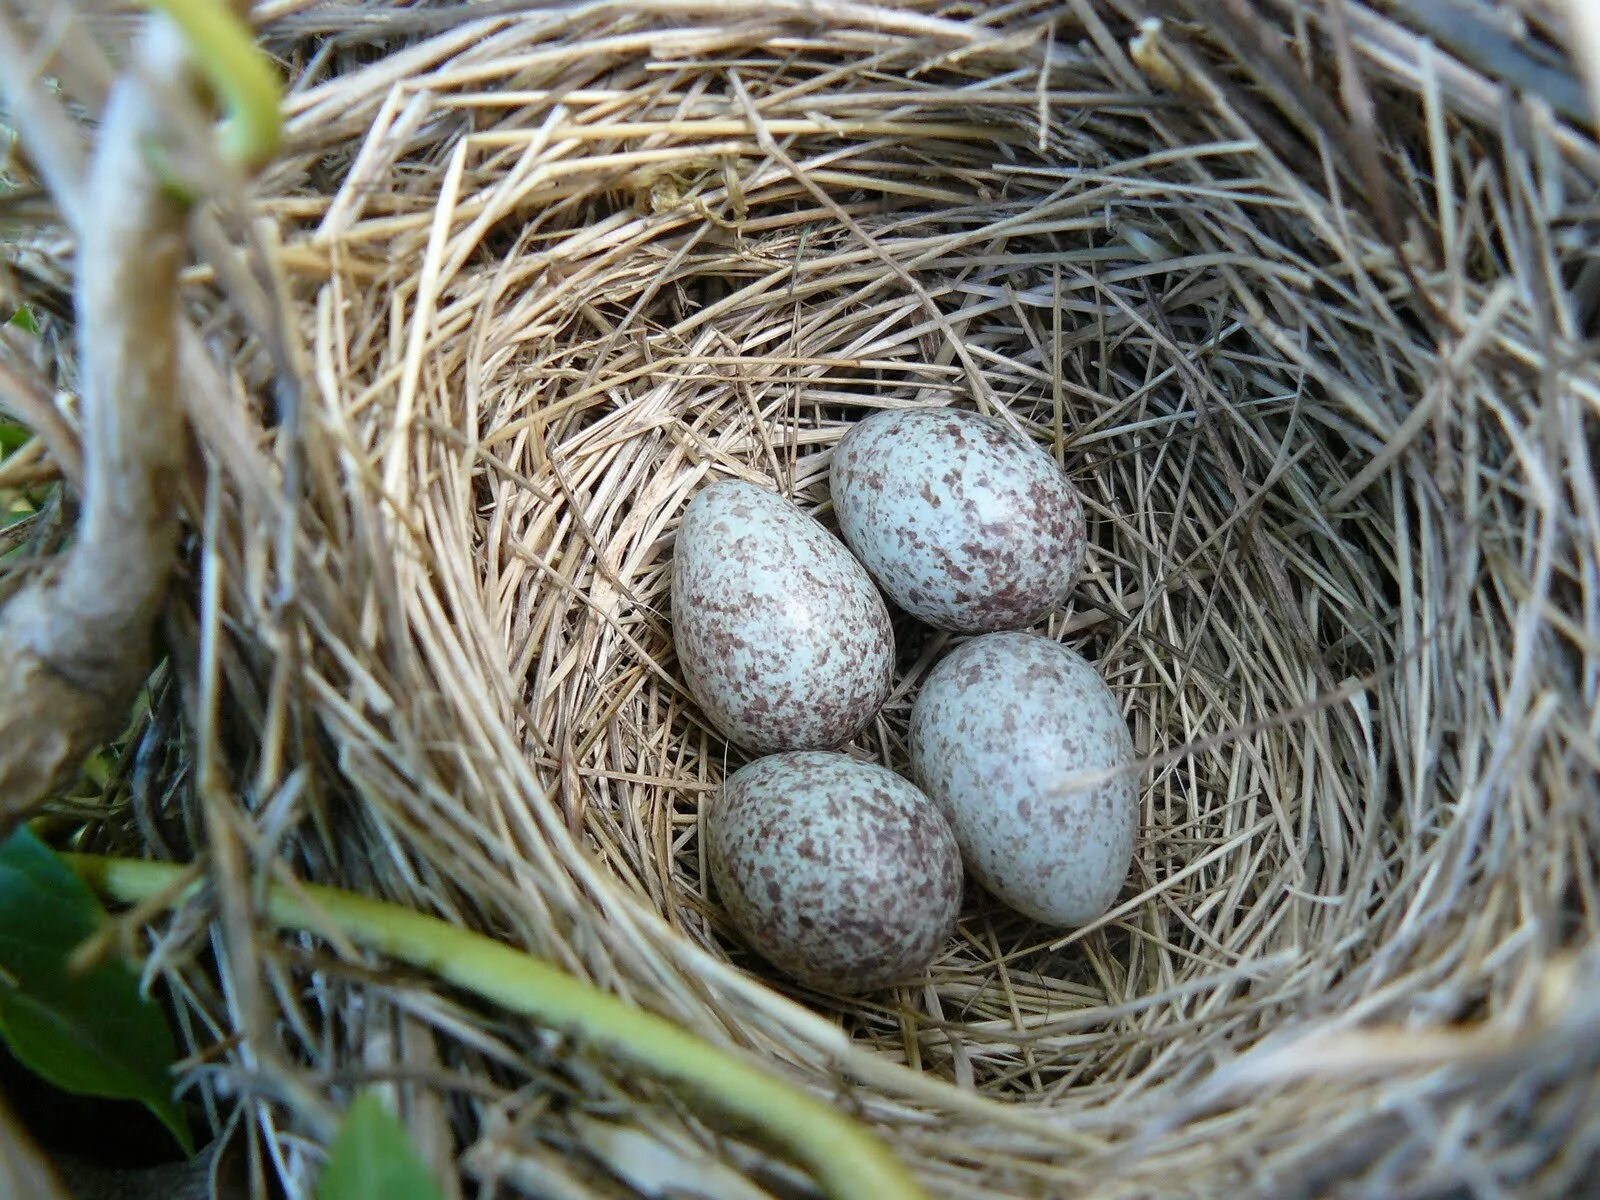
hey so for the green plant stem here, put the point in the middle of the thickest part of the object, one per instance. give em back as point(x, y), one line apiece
point(225, 50)
point(848, 1161)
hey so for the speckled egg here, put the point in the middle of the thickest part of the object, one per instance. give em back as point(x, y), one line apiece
point(782, 637)
point(966, 524)
point(998, 730)
point(839, 873)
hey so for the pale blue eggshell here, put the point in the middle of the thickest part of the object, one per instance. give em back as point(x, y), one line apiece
point(839, 873)
point(781, 635)
point(999, 727)
point(963, 522)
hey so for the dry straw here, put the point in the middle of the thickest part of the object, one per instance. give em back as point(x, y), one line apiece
point(1303, 301)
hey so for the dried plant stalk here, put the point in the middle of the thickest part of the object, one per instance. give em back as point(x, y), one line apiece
point(76, 646)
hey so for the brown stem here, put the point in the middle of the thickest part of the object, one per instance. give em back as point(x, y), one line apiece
point(75, 646)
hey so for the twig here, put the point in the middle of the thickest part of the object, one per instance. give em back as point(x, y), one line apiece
point(76, 644)
point(849, 1162)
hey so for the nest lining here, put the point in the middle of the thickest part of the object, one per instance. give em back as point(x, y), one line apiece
point(545, 274)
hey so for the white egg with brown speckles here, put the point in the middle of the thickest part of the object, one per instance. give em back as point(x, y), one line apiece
point(839, 873)
point(781, 635)
point(964, 523)
point(998, 732)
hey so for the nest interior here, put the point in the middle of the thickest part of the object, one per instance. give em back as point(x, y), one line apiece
point(534, 275)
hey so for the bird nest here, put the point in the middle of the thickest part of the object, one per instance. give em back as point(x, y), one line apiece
point(1298, 295)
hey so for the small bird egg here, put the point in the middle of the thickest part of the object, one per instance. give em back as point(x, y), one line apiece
point(965, 523)
point(782, 637)
point(998, 731)
point(839, 873)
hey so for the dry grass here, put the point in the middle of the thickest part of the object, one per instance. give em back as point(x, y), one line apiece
point(527, 278)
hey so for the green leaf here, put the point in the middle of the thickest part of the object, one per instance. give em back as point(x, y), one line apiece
point(12, 437)
point(372, 1159)
point(88, 1032)
point(24, 320)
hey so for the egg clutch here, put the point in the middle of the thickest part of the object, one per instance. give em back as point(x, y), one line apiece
point(841, 873)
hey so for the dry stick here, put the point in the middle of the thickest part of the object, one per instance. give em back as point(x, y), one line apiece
point(77, 644)
point(849, 1162)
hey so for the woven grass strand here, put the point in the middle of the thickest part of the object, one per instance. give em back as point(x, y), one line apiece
point(846, 1160)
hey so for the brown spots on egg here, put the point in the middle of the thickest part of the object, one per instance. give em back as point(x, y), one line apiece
point(964, 523)
point(860, 872)
point(781, 636)
point(999, 732)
